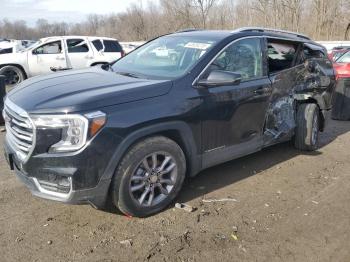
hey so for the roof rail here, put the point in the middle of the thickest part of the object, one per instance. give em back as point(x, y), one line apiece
point(187, 30)
point(272, 30)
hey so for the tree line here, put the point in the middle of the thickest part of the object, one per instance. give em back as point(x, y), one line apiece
point(320, 19)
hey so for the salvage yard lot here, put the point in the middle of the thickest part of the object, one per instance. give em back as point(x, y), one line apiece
point(291, 206)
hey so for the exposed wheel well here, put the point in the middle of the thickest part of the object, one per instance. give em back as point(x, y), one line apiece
point(18, 66)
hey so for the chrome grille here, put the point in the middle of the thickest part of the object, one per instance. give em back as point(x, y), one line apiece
point(20, 133)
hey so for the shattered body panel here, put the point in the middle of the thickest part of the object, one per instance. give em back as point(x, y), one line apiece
point(312, 81)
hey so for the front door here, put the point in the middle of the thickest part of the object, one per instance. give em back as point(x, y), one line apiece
point(46, 58)
point(234, 115)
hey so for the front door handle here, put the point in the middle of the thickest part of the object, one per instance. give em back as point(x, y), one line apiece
point(60, 58)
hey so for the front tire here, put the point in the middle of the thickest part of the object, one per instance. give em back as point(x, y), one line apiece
point(308, 127)
point(149, 177)
point(13, 76)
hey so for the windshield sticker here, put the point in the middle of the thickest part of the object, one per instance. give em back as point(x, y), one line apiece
point(201, 46)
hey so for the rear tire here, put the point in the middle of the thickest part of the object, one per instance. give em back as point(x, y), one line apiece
point(308, 127)
point(149, 177)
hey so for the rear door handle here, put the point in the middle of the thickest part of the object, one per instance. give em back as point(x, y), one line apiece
point(60, 58)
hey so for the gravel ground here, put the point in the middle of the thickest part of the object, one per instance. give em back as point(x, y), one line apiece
point(290, 206)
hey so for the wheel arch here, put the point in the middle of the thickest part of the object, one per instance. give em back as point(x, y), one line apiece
point(177, 131)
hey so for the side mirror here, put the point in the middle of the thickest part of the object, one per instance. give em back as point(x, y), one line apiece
point(220, 78)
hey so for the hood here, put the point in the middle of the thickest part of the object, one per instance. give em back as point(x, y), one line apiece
point(13, 58)
point(82, 90)
point(342, 70)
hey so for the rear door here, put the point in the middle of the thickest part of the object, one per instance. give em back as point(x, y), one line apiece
point(284, 74)
point(234, 115)
point(79, 53)
point(47, 57)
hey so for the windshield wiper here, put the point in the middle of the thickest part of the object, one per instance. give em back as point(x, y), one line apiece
point(128, 74)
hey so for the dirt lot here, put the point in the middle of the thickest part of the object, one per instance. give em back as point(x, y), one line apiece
point(291, 206)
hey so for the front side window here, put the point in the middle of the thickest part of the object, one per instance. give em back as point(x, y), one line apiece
point(166, 57)
point(49, 48)
point(243, 57)
point(281, 55)
point(344, 58)
point(77, 46)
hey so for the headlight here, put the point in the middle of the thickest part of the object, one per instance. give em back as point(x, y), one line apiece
point(76, 129)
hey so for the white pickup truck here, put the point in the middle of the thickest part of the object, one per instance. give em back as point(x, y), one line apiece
point(53, 54)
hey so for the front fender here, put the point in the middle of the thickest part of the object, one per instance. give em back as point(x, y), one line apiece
point(188, 145)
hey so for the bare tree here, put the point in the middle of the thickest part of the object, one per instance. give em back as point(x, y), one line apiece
point(321, 19)
point(204, 7)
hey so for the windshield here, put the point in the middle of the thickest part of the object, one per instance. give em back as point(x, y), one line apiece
point(168, 57)
point(344, 58)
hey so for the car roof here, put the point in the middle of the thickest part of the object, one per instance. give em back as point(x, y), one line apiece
point(76, 36)
point(248, 31)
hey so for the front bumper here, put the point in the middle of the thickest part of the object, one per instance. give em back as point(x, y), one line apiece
point(86, 180)
point(94, 196)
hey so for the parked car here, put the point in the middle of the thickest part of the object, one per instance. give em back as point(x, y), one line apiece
point(342, 66)
point(131, 132)
point(341, 99)
point(338, 52)
point(58, 53)
point(130, 46)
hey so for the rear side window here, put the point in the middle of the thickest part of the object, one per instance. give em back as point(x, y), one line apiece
point(97, 44)
point(309, 53)
point(77, 46)
point(112, 46)
point(281, 55)
point(6, 51)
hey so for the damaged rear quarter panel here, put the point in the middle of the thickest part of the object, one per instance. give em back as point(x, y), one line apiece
point(313, 81)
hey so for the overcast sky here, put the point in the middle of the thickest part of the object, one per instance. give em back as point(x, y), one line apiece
point(60, 10)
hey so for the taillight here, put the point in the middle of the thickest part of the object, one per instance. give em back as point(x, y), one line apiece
point(122, 53)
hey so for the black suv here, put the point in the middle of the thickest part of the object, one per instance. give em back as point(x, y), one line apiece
point(131, 132)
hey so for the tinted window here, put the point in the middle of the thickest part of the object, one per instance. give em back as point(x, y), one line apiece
point(112, 46)
point(6, 51)
point(77, 46)
point(243, 57)
point(97, 44)
point(281, 55)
